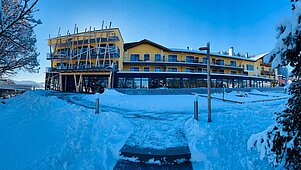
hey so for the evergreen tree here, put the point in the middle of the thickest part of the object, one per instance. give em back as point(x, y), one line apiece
point(281, 143)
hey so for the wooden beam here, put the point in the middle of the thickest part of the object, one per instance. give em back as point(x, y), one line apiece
point(90, 73)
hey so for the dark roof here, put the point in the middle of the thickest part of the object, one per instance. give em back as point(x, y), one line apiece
point(145, 41)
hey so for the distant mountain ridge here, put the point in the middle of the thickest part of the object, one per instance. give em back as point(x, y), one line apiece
point(29, 82)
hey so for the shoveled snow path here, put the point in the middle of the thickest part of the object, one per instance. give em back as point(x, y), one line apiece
point(156, 130)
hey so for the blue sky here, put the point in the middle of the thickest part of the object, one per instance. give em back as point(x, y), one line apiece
point(247, 25)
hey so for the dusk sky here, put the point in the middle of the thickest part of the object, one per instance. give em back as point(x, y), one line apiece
point(248, 25)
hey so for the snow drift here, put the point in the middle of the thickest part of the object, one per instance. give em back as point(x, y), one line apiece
point(42, 132)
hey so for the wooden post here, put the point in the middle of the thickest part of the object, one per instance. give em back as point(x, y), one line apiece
point(75, 83)
point(82, 48)
point(196, 108)
point(97, 104)
point(209, 82)
point(61, 83)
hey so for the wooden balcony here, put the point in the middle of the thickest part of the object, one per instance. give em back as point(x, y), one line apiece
point(268, 73)
point(265, 64)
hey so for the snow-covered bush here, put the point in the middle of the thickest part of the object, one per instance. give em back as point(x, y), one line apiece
point(281, 143)
point(17, 38)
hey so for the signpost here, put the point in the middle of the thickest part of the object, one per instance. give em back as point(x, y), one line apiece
point(208, 79)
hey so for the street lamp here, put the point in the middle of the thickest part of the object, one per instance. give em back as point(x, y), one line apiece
point(208, 79)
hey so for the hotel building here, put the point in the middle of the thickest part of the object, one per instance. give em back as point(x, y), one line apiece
point(83, 62)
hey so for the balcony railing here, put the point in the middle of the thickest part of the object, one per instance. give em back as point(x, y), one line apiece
point(86, 41)
point(269, 73)
point(195, 63)
point(113, 52)
point(265, 64)
point(79, 68)
point(184, 71)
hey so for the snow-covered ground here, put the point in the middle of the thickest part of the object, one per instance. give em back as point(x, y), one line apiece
point(222, 144)
point(50, 129)
point(38, 131)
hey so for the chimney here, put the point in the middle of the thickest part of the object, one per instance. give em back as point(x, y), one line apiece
point(231, 51)
point(246, 55)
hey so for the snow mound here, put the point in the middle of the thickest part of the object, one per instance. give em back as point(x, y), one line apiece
point(39, 131)
point(112, 92)
point(193, 132)
point(256, 91)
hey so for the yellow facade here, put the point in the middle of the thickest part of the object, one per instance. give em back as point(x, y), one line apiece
point(126, 65)
point(181, 59)
point(90, 41)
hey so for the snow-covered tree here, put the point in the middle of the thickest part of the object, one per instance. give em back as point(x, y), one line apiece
point(281, 142)
point(17, 38)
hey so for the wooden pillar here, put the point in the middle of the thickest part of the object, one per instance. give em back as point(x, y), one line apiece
point(110, 80)
point(65, 85)
point(61, 82)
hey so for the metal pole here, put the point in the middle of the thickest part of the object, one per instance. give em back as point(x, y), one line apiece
point(97, 104)
point(196, 108)
point(208, 82)
point(223, 93)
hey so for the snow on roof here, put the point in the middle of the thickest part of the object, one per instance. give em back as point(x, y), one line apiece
point(221, 55)
point(259, 56)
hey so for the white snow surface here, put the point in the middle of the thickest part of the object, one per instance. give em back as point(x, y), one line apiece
point(42, 132)
point(223, 143)
point(52, 130)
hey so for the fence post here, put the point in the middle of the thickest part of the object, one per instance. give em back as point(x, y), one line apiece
point(196, 108)
point(97, 104)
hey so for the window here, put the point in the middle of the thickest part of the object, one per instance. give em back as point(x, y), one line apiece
point(233, 72)
point(134, 57)
point(137, 83)
point(144, 83)
point(233, 63)
point(158, 57)
point(270, 70)
point(146, 69)
point(134, 68)
point(220, 62)
point(213, 61)
point(146, 57)
point(189, 59)
point(172, 58)
point(204, 60)
point(172, 69)
point(157, 69)
point(204, 70)
point(189, 70)
point(222, 71)
point(250, 67)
